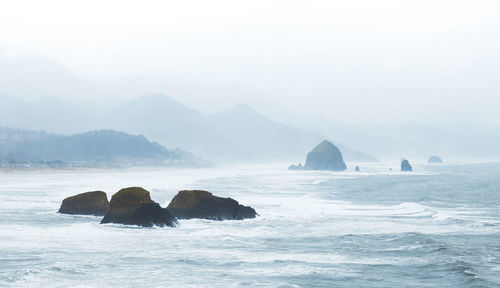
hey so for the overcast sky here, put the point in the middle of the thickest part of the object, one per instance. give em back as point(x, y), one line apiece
point(354, 61)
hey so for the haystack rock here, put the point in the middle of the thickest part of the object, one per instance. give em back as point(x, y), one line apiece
point(88, 203)
point(133, 206)
point(201, 204)
point(325, 156)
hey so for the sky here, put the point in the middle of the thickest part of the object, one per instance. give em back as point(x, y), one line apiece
point(360, 61)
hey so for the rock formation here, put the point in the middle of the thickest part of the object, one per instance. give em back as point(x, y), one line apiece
point(405, 165)
point(356, 169)
point(189, 204)
point(434, 159)
point(133, 206)
point(325, 156)
point(89, 203)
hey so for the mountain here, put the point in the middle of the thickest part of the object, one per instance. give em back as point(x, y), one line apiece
point(158, 117)
point(49, 113)
point(58, 100)
point(254, 136)
point(35, 78)
point(236, 134)
point(91, 104)
point(390, 141)
point(418, 141)
point(91, 149)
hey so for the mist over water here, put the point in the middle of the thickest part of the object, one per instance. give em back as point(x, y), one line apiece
point(358, 63)
point(223, 96)
point(435, 227)
point(389, 78)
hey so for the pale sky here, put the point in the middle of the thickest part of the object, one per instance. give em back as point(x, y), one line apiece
point(432, 62)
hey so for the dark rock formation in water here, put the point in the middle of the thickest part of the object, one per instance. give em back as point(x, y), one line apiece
point(356, 169)
point(325, 156)
point(133, 206)
point(189, 204)
point(89, 203)
point(405, 165)
point(434, 159)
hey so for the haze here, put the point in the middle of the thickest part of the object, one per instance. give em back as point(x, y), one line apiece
point(354, 63)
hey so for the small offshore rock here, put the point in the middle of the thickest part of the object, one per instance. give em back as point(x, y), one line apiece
point(405, 165)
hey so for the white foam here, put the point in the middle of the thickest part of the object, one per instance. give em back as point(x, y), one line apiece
point(291, 205)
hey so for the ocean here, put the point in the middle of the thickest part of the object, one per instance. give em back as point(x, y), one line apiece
point(438, 226)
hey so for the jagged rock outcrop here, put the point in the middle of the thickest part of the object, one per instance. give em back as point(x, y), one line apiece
point(325, 156)
point(88, 203)
point(405, 165)
point(435, 159)
point(190, 204)
point(133, 206)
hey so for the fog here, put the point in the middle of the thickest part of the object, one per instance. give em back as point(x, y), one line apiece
point(382, 77)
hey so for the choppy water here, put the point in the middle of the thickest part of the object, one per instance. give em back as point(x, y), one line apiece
point(436, 227)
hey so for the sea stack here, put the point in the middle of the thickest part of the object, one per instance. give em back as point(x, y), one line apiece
point(405, 165)
point(435, 160)
point(201, 204)
point(325, 156)
point(356, 169)
point(88, 203)
point(133, 206)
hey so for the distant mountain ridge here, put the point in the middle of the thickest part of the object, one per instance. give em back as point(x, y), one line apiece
point(157, 116)
point(50, 114)
point(98, 103)
point(238, 134)
point(90, 149)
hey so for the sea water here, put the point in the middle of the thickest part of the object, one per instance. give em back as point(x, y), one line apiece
point(438, 226)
